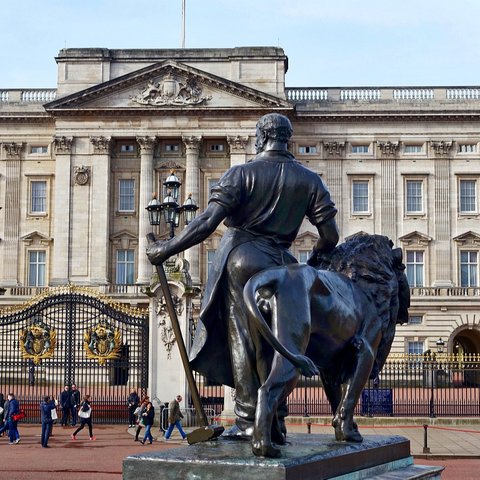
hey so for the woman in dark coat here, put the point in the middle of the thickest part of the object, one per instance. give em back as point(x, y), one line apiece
point(148, 417)
point(85, 414)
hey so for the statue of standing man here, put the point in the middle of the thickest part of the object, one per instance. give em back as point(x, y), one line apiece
point(263, 204)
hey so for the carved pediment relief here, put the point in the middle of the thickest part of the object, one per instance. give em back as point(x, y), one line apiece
point(124, 240)
point(166, 85)
point(415, 238)
point(306, 240)
point(468, 238)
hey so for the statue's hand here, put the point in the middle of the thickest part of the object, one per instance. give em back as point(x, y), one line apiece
point(157, 252)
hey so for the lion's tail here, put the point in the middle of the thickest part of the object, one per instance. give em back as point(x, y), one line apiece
point(271, 279)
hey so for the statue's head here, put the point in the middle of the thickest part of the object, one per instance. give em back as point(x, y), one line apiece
point(274, 127)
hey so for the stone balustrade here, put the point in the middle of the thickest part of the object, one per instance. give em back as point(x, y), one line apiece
point(32, 95)
point(382, 94)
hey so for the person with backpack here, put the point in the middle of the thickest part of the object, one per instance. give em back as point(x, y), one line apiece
point(85, 414)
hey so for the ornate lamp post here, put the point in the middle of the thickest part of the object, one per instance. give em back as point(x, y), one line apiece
point(172, 211)
point(434, 376)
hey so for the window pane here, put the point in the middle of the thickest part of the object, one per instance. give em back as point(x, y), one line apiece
point(415, 348)
point(415, 268)
point(125, 267)
point(414, 196)
point(303, 256)
point(360, 196)
point(38, 201)
point(468, 196)
point(127, 195)
point(468, 269)
point(36, 268)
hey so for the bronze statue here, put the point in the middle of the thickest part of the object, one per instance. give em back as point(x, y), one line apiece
point(342, 318)
point(263, 204)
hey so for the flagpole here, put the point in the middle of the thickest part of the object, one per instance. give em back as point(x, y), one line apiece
point(183, 23)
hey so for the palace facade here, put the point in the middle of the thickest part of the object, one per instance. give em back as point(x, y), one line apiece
point(79, 163)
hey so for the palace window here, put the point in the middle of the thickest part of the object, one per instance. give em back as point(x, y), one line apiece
point(415, 347)
point(360, 200)
point(38, 197)
point(172, 147)
point(217, 147)
point(127, 148)
point(36, 268)
point(414, 196)
point(307, 150)
point(39, 150)
point(415, 267)
point(468, 196)
point(415, 319)
point(468, 268)
point(125, 267)
point(303, 255)
point(467, 148)
point(360, 148)
point(413, 149)
point(210, 255)
point(126, 198)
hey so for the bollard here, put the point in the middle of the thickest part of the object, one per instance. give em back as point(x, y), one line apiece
point(425, 439)
point(309, 427)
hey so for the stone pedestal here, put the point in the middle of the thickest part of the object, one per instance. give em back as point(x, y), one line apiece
point(305, 457)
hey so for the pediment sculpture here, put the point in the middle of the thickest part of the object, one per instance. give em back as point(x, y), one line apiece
point(171, 91)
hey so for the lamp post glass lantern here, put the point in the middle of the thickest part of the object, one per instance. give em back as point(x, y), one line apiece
point(172, 211)
point(440, 345)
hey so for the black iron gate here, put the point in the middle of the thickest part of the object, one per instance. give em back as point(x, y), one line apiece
point(74, 335)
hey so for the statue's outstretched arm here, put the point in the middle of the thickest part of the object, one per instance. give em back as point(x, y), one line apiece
point(197, 231)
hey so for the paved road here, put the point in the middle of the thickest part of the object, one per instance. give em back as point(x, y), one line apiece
point(101, 459)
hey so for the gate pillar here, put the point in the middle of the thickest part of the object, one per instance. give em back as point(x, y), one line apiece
point(166, 374)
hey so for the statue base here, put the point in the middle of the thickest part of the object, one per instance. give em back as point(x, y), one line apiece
point(305, 457)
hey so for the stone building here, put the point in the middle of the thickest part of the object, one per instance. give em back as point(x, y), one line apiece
point(80, 162)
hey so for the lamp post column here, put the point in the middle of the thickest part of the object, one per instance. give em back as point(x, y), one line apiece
point(192, 174)
point(147, 145)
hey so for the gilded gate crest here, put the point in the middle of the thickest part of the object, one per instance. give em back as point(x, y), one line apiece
point(103, 342)
point(38, 341)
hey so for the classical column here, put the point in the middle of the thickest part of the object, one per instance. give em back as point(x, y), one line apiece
point(192, 176)
point(238, 149)
point(443, 248)
point(63, 205)
point(388, 179)
point(12, 214)
point(99, 252)
point(147, 145)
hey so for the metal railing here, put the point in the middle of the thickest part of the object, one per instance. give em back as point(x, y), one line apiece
point(437, 385)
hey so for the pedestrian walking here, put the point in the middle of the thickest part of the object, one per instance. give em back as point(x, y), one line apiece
point(139, 414)
point(13, 410)
point(148, 417)
point(3, 407)
point(46, 409)
point(133, 401)
point(65, 404)
point(85, 414)
point(174, 417)
point(74, 404)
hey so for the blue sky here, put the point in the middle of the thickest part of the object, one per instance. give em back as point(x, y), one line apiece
point(340, 43)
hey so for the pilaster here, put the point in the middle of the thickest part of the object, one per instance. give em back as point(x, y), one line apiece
point(101, 178)
point(12, 214)
point(442, 225)
point(192, 176)
point(147, 145)
point(334, 156)
point(238, 149)
point(388, 194)
point(62, 215)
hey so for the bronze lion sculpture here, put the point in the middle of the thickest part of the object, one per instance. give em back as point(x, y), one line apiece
point(337, 321)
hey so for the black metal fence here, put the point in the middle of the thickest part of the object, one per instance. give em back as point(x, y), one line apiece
point(440, 385)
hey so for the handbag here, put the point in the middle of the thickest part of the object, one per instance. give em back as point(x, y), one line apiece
point(18, 416)
point(84, 413)
point(54, 414)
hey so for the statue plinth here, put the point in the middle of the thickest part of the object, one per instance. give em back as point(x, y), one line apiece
point(305, 457)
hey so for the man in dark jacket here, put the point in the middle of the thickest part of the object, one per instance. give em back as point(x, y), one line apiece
point(133, 401)
point(66, 404)
point(13, 409)
point(174, 417)
point(46, 408)
point(263, 203)
point(74, 403)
